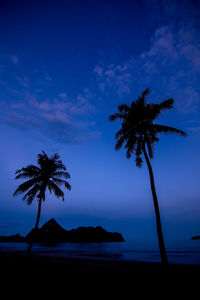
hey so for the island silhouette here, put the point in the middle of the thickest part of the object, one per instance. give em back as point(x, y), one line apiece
point(52, 232)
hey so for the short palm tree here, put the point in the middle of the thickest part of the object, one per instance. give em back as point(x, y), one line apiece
point(48, 174)
point(139, 133)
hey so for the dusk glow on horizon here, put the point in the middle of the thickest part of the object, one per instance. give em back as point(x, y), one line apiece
point(65, 67)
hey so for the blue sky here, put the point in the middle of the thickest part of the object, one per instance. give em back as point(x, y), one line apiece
point(65, 66)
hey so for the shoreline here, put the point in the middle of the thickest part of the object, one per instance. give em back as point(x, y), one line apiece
point(17, 259)
point(55, 274)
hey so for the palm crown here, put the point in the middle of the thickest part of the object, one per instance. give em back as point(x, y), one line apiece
point(138, 128)
point(48, 174)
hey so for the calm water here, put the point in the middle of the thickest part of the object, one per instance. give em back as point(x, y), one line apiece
point(181, 253)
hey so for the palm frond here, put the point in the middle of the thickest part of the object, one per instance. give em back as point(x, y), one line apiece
point(42, 159)
point(40, 178)
point(139, 146)
point(130, 148)
point(167, 104)
point(30, 195)
point(139, 161)
point(154, 110)
point(146, 92)
point(68, 186)
point(116, 116)
point(168, 130)
point(61, 181)
point(61, 174)
point(43, 156)
point(25, 186)
point(122, 132)
point(138, 126)
point(60, 166)
point(57, 191)
point(141, 101)
point(55, 156)
point(28, 172)
point(119, 143)
point(128, 153)
point(123, 108)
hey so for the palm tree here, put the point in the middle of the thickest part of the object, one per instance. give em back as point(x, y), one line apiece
point(139, 133)
point(48, 174)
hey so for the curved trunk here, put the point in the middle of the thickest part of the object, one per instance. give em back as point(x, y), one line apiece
point(42, 197)
point(38, 214)
point(157, 212)
point(37, 221)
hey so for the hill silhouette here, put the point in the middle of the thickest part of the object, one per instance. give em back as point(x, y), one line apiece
point(52, 232)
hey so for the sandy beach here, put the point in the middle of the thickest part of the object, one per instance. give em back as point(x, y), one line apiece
point(16, 260)
point(53, 275)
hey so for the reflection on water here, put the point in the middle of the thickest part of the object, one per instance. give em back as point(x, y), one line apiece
point(187, 253)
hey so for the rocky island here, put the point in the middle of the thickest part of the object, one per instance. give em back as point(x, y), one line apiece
point(52, 232)
point(196, 237)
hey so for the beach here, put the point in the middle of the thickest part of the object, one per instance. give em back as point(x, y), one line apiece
point(15, 261)
point(82, 277)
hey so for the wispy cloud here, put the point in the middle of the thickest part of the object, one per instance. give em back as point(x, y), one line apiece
point(31, 101)
point(61, 118)
point(175, 55)
point(171, 67)
point(14, 59)
point(47, 76)
point(23, 81)
point(62, 95)
point(58, 120)
point(113, 77)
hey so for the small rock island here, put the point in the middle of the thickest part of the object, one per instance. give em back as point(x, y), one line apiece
point(52, 232)
point(196, 237)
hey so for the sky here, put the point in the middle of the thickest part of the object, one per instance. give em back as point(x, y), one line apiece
point(65, 66)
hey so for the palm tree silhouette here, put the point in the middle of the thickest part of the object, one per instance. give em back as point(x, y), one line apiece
point(47, 175)
point(138, 132)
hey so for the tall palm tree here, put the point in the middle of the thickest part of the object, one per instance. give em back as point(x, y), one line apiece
point(139, 133)
point(48, 174)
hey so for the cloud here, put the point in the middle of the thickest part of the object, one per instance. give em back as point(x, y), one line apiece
point(174, 47)
point(14, 59)
point(21, 120)
point(63, 95)
point(47, 76)
point(98, 70)
point(113, 77)
point(175, 59)
point(23, 81)
point(57, 118)
point(83, 104)
point(61, 108)
point(170, 67)
point(162, 45)
point(27, 103)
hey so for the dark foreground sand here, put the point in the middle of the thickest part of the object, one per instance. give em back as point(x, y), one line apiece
point(47, 276)
point(20, 261)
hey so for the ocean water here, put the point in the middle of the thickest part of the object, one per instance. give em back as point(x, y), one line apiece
point(184, 252)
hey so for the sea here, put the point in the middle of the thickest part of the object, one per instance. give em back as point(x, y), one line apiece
point(182, 252)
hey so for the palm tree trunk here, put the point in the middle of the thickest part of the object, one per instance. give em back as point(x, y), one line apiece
point(157, 212)
point(37, 222)
point(38, 214)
